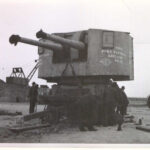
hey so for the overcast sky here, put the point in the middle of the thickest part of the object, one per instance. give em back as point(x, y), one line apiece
point(26, 17)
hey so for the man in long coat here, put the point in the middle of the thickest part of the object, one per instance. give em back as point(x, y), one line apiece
point(33, 93)
point(110, 101)
point(125, 101)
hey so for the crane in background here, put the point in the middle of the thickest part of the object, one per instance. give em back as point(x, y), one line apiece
point(18, 76)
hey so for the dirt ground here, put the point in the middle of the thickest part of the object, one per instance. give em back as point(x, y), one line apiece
point(62, 134)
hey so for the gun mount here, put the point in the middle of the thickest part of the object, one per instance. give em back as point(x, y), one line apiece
point(95, 56)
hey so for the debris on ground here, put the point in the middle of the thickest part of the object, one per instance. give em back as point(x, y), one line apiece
point(4, 112)
point(129, 119)
point(21, 129)
point(65, 133)
point(143, 128)
point(35, 115)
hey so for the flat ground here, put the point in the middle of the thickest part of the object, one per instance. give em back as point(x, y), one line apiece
point(62, 134)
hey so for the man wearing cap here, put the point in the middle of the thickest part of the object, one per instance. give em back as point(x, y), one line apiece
point(125, 101)
point(33, 92)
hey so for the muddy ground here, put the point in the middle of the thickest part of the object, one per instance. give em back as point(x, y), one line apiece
point(65, 134)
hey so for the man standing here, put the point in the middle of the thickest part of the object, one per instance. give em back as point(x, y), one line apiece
point(33, 92)
point(148, 101)
point(119, 99)
point(125, 101)
point(110, 99)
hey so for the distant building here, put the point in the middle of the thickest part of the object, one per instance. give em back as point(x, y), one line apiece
point(11, 92)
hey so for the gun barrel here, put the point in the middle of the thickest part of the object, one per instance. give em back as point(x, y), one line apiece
point(72, 43)
point(14, 39)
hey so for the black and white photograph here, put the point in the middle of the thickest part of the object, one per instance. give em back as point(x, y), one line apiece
point(75, 72)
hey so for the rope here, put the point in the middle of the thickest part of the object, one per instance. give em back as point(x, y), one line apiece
point(73, 72)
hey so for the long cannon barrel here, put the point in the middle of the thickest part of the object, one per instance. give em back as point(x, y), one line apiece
point(72, 43)
point(14, 39)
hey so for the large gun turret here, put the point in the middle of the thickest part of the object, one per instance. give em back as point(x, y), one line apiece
point(95, 54)
point(72, 43)
point(14, 39)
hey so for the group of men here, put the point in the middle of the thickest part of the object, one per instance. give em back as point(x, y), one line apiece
point(115, 103)
point(106, 110)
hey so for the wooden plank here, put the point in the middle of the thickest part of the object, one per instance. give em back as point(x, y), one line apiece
point(129, 116)
point(35, 115)
point(128, 121)
point(143, 128)
point(21, 129)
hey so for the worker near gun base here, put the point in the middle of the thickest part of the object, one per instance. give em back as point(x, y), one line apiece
point(125, 101)
point(33, 93)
